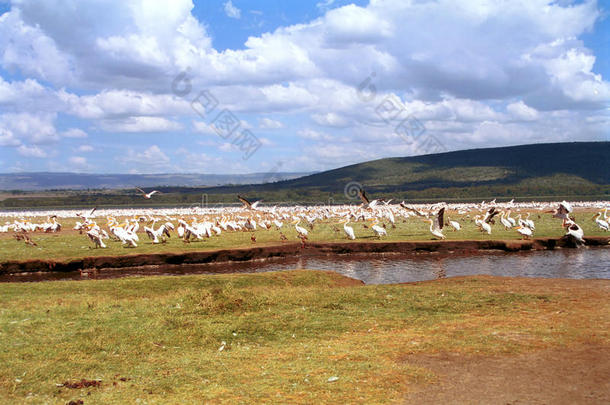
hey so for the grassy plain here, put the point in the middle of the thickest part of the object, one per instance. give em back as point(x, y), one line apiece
point(286, 335)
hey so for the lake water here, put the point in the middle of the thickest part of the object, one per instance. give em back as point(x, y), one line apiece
point(390, 268)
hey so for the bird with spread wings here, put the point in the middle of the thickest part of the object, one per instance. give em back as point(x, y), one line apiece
point(147, 195)
point(247, 204)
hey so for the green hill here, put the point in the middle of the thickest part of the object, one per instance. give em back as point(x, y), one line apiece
point(578, 170)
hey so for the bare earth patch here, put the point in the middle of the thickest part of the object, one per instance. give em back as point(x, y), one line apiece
point(577, 373)
point(553, 376)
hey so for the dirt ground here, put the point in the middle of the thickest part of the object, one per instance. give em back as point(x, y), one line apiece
point(569, 376)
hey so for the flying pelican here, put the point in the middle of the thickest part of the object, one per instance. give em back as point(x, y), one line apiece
point(147, 195)
point(349, 231)
point(247, 204)
point(562, 211)
point(87, 215)
point(490, 214)
point(436, 224)
point(366, 203)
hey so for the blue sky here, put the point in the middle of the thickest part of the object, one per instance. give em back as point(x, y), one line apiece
point(99, 86)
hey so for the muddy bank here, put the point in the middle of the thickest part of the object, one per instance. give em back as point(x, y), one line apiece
point(288, 250)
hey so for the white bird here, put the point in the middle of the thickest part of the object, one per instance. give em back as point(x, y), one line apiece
point(300, 230)
point(349, 231)
point(147, 195)
point(601, 223)
point(525, 231)
point(454, 224)
point(379, 231)
point(483, 226)
point(247, 204)
point(575, 231)
point(562, 212)
point(436, 224)
point(504, 221)
point(96, 238)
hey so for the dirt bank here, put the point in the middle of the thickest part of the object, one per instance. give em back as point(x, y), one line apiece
point(289, 250)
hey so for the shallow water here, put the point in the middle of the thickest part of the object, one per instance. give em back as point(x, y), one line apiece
point(388, 268)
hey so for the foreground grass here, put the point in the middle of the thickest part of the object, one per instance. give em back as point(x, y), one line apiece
point(158, 339)
point(70, 244)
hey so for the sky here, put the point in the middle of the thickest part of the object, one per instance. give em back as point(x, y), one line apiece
point(243, 86)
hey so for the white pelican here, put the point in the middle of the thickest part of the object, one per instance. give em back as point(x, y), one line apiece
point(436, 224)
point(510, 219)
point(379, 231)
point(600, 222)
point(366, 203)
point(575, 231)
point(247, 204)
point(454, 224)
point(96, 238)
point(525, 231)
point(154, 235)
point(562, 211)
point(504, 221)
point(301, 231)
point(529, 223)
point(147, 195)
point(484, 226)
point(349, 231)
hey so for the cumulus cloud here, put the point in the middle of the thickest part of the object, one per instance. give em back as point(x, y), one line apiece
point(148, 160)
point(113, 70)
point(231, 10)
point(268, 123)
point(140, 124)
point(31, 151)
point(74, 133)
point(85, 148)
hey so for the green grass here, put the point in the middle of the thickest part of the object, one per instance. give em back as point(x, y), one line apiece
point(286, 334)
point(69, 244)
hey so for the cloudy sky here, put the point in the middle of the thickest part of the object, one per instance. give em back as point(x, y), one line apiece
point(150, 86)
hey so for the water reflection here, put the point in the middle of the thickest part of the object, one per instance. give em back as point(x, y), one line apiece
point(391, 268)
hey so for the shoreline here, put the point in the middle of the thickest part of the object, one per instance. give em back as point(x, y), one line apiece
point(289, 250)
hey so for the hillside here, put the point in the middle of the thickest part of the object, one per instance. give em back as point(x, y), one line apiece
point(542, 171)
point(80, 181)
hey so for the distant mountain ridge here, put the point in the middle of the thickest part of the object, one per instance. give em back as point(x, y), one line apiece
point(579, 170)
point(79, 181)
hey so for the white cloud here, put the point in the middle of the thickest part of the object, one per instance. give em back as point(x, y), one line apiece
point(78, 163)
point(147, 160)
point(203, 128)
point(231, 10)
point(140, 124)
point(330, 119)
point(118, 60)
point(268, 123)
point(34, 128)
point(85, 148)
point(31, 151)
point(521, 111)
point(74, 133)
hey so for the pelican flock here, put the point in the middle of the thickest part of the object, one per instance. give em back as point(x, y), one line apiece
point(377, 217)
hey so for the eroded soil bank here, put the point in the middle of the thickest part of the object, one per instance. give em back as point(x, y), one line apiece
point(289, 250)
